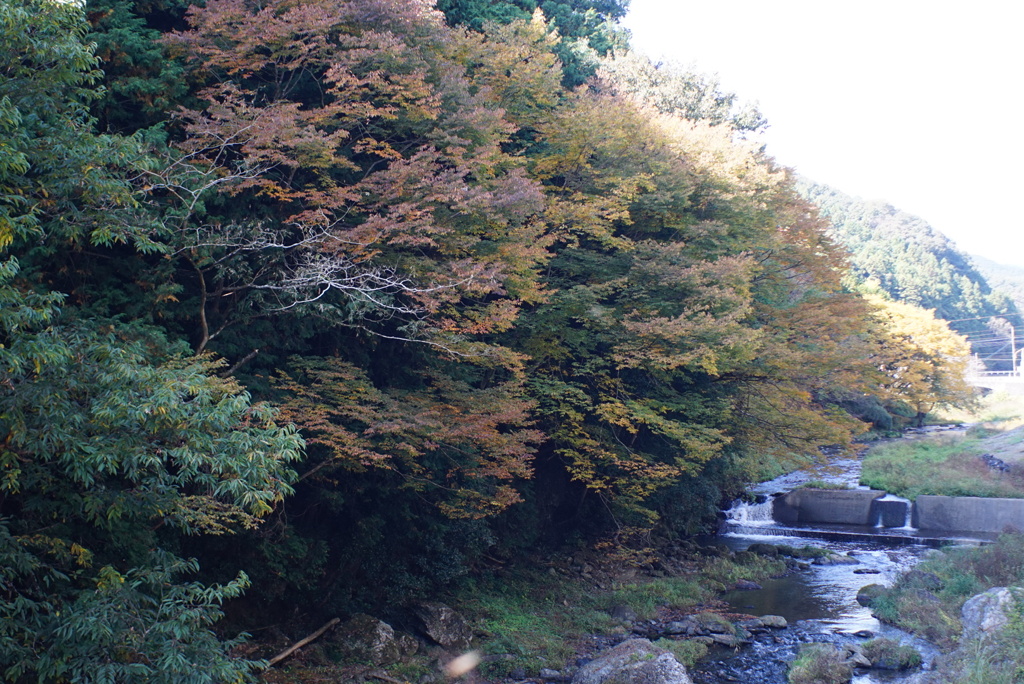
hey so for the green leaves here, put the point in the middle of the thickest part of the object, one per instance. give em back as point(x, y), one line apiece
point(143, 624)
point(113, 440)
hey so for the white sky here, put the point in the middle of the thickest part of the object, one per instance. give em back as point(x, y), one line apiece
point(914, 102)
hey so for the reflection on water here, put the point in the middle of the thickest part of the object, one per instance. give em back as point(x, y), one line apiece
point(820, 604)
point(825, 592)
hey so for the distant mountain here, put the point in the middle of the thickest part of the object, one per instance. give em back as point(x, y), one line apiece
point(917, 264)
point(1003, 278)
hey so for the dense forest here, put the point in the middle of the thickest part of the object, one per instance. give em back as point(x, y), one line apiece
point(317, 306)
point(903, 256)
point(1008, 279)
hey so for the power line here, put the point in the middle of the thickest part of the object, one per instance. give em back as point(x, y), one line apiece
point(981, 318)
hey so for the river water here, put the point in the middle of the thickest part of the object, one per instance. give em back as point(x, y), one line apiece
point(820, 603)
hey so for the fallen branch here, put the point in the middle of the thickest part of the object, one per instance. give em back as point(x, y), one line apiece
point(383, 677)
point(302, 642)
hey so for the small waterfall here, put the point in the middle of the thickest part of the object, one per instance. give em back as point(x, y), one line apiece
point(894, 512)
point(752, 514)
point(908, 522)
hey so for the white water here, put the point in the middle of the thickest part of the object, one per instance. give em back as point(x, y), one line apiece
point(908, 524)
point(820, 602)
point(756, 514)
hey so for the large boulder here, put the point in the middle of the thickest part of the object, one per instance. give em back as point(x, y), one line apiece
point(986, 614)
point(366, 639)
point(636, 661)
point(444, 626)
point(870, 593)
point(774, 621)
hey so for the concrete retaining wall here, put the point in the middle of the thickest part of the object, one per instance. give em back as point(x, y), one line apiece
point(832, 506)
point(967, 514)
point(932, 514)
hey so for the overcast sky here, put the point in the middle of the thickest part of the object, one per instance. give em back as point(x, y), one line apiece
point(912, 102)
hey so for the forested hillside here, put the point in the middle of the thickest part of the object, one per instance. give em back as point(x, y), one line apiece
point(1008, 279)
point(342, 299)
point(912, 262)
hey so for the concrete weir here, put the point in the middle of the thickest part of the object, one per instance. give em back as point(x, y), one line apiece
point(968, 514)
point(828, 506)
point(935, 515)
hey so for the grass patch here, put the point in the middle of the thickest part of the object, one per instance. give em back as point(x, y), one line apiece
point(533, 620)
point(819, 664)
point(998, 408)
point(928, 599)
point(822, 484)
point(891, 655)
point(645, 598)
point(537, 619)
point(997, 663)
point(723, 572)
point(687, 652)
point(947, 466)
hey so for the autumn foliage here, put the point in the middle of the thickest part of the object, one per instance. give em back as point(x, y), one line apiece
point(490, 311)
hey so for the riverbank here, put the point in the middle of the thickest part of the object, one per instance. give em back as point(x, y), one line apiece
point(987, 459)
point(540, 620)
point(984, 644)
point(543, 618)
point(733, 610)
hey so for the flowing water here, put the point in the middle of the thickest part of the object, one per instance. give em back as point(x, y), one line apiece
point(821, 606)
point(820, 603)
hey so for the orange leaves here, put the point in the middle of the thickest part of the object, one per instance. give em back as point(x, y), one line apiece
point(357, 140)
point(698, 320)
point(461, 446)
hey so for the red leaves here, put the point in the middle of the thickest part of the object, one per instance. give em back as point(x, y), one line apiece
point(480, 435)
point(358, 130)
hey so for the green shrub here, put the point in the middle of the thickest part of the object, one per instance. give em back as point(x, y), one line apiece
point(819, 664)
point(646, 597)
point(891, 655)
point(145, 625)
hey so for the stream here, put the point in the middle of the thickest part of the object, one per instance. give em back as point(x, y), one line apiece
point(820, 603)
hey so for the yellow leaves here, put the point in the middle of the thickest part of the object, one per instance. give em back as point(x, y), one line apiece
point(198, 514)
point(82, 555)
point(925, 361)
point(516, 66)
point(616, 413)
point(377, 148)
point(736, 167)
point(108, 578)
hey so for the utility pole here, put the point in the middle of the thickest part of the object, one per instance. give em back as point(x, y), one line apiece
point(1013, 350)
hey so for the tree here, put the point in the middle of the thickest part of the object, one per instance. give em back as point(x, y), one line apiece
point(114, 440)
point(586, 30)
point(672, 88)
point(925, 362)
point(372, 167)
